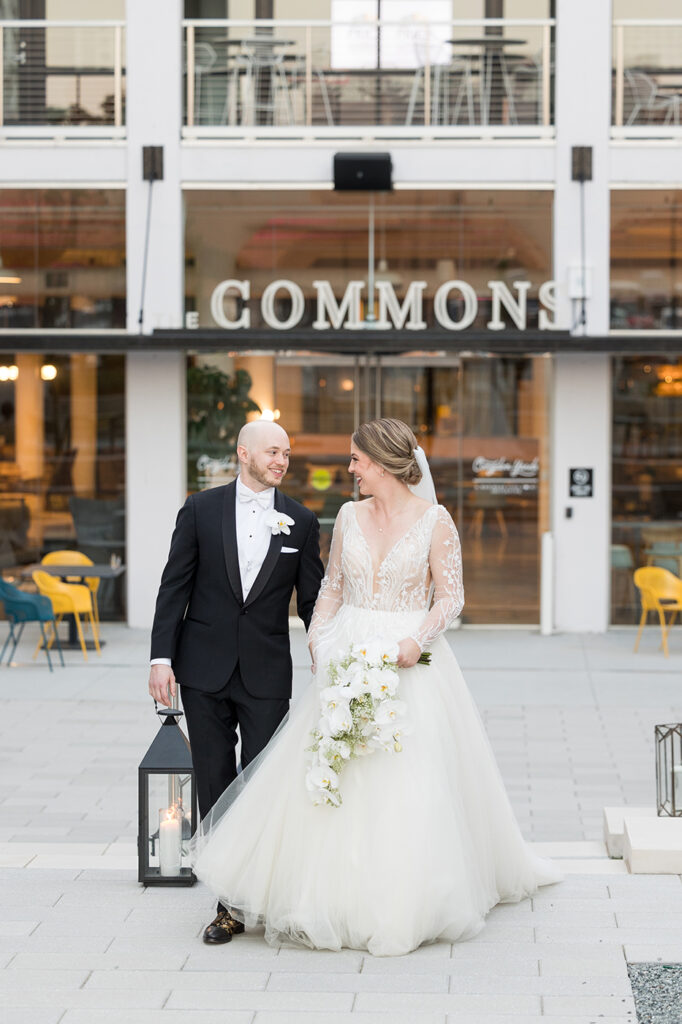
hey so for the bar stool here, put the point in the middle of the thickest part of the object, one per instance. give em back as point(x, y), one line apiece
point(265, 86)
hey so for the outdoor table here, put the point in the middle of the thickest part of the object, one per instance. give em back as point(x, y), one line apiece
point(492, 60)
point(101, 571)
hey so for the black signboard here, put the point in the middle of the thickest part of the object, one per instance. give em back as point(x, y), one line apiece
point(580, 482)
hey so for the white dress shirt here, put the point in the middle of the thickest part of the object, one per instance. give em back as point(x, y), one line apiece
point(253, 536)
point(253, 533)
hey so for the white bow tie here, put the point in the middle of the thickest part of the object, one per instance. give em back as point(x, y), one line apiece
point(262, 498)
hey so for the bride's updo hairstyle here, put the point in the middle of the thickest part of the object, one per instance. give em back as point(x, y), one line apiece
point(390, 443)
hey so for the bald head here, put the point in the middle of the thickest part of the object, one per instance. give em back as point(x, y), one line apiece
point(260, 434)
point(263, 452)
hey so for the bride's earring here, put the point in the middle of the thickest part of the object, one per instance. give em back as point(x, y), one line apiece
point(383, 472)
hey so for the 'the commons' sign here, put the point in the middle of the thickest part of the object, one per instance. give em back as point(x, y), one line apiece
point(391, 312)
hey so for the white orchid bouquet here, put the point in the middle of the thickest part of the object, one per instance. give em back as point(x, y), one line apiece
point(360, 713)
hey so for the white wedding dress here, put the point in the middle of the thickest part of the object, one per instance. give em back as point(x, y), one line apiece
point(425, 841)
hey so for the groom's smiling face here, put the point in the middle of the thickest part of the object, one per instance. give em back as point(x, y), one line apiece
point(264, 455)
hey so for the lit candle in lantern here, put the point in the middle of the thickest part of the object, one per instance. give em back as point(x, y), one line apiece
point(170, 842)
point(677, 777)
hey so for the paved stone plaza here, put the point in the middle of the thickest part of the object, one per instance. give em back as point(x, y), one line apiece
point(571, 720)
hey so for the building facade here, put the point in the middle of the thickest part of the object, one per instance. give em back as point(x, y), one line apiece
point(175, 258)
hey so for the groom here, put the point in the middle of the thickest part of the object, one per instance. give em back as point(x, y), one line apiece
point(221, 626)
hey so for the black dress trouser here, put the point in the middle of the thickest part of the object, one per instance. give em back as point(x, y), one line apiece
point(212, 720)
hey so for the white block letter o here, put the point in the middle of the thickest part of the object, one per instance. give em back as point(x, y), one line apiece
point(267, 305)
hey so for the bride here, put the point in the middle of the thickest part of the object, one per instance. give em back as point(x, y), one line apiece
point(425, 842)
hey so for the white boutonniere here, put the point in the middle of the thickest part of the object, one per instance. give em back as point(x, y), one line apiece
point(278, 522)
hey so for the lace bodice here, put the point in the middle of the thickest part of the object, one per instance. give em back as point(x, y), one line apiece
point(427, 553)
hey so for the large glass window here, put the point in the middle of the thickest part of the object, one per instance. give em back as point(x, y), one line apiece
point(430, 235)
point(62, 463)
point(646, 259)
point(62, 258)
point(647, 474)
point(482, 423)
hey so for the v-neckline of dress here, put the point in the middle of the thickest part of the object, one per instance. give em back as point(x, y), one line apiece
point(390, 551)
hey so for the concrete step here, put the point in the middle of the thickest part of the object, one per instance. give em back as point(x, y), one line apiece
point(613, 826)
point(652, 845)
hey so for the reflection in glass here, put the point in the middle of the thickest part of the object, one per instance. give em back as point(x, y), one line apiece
point(62, 463)
point(647, 479)
point(482, 422)
point(646, 258)
point(62, 258)
point(304, 236)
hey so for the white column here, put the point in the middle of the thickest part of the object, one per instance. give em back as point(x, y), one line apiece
point(581, 437)
point(154, 114)
point(155, 383)
point(581, 391)
point(156, 449)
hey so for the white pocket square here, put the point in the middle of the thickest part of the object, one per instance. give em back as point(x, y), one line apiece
point(289, 551)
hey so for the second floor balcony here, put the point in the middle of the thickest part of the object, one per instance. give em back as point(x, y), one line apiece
point(647, 78)
point(356, 79)
point(368, 78)
point(62, 77)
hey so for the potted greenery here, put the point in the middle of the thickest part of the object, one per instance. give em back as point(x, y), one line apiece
point(217, 408)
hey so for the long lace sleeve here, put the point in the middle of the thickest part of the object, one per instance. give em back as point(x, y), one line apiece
point(445, 561)
point(330, 596)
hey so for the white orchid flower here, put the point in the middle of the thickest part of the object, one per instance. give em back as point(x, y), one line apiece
point(330, 748)
point(390, 712)
point(334, 697)
point(336, 721)
point(351, 679)
point(321, 777)
point(390, 654)
point(278, 521)
point(376, 652)
point(382, 683)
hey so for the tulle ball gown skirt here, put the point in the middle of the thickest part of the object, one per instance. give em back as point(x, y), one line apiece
point(423, 845)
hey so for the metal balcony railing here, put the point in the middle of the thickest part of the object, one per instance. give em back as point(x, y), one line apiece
point(647, 78)
point(368, 78)
point(59, 74)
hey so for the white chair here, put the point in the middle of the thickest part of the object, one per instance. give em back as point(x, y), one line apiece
point(266, 90)
point(451, 86)
point(647, 98)
point(297, 73)
point(204, 59)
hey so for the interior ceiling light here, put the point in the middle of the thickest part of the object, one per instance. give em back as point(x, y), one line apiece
point(48, 371)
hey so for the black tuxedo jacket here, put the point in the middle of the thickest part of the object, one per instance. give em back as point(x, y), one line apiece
point(202, 622)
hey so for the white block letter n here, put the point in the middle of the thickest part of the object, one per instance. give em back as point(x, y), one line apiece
point(501, 296)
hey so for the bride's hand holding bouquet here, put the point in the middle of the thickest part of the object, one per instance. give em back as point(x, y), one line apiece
point(409, 653)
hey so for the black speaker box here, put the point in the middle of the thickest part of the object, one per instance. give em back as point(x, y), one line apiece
point(363, 172)
point(581, 163)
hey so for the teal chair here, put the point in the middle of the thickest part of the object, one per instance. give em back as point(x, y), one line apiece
point(666, 554)
point(21, 608)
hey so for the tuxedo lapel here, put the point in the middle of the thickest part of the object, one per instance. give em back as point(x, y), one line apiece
point(230, 541)
point(270, 560)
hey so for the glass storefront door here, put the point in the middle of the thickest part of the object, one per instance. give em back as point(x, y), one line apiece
point(481, 421)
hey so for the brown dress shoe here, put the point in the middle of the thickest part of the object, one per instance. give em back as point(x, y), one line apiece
point(221, 929)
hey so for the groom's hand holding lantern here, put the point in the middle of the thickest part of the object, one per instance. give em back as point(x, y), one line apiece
point(162, 685)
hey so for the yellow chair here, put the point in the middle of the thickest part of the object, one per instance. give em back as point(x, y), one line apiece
point(76, 558)
point(660, 592)
point(68, 599)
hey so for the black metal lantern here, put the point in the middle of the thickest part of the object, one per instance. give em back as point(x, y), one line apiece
point(167, 806)
point(669, 770)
